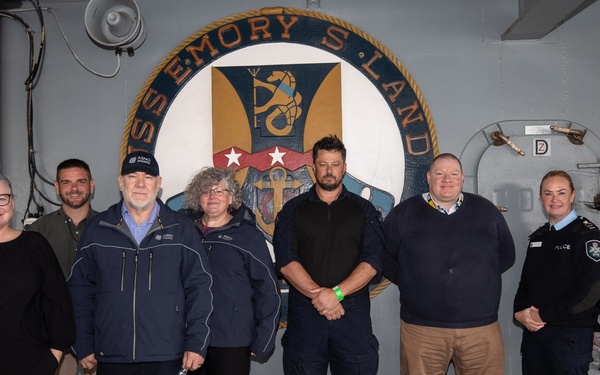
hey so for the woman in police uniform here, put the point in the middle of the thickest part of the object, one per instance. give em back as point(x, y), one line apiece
point(560, 285)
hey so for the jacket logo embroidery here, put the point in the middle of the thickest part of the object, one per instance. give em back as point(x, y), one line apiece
point(593, 250)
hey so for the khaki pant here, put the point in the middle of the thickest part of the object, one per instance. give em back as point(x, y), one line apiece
point(428, 350)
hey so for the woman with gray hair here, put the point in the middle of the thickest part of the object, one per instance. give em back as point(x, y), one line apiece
point(36, 314)
point(245, 289)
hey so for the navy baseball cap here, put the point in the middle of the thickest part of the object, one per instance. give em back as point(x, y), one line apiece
point(140, 161)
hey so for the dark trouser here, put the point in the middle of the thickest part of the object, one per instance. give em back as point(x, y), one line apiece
point(557, 351)
point(225, 361)
point(311, 342)
point(45, 365)
point(143, 368)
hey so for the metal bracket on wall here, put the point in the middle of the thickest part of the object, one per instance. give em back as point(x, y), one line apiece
point(595, 205)
point(500, 139)
point(312, 4)
point(525, 133)
point(575, 136)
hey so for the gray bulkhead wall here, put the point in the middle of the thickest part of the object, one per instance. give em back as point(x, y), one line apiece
point(469, 78)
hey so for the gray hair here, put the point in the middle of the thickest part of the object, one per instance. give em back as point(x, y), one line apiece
point(205, 180)
point(6, 181)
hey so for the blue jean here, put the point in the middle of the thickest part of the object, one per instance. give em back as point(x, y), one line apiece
point(311, 342)
point(557, 351)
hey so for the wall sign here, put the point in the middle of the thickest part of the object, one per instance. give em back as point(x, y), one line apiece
point(254, 91)
point(541, 147)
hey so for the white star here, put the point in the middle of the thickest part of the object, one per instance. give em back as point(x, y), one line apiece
point(277, 156)
point(233, 158)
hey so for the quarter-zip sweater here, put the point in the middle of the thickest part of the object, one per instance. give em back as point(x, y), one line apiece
point(246, 292)
point(140, 303)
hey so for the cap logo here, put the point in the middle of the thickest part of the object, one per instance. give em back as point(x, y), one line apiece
point(143, 159)
point(132, 160)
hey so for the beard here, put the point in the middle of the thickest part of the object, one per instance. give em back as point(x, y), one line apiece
point(74, 203)
point(329, 186)
point(141, 205)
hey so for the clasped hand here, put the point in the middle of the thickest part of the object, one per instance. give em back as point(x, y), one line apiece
point(326, 302)
point(530, 318)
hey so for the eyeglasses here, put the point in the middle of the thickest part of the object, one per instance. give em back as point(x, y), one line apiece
point(216, 192)
point(5, 199)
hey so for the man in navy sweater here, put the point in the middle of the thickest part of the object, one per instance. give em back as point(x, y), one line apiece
point(446, 251)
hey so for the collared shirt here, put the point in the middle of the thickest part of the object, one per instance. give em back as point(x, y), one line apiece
point(139, 231)
point(431, 202)
point(564, 222)
point(62, 234)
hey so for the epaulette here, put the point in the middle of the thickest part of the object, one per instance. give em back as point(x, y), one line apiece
point(544, 228)
point(584, 226)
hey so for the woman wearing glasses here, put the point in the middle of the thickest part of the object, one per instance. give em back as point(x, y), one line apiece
point(36, 315)
point(245, 289)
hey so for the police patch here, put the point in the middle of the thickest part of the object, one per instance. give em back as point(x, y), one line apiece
point(592, 249)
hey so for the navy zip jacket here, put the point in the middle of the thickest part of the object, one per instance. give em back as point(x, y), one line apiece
point(146, 303)
point(246, 292)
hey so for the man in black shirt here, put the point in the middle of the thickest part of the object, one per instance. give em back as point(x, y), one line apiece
point(329, 246)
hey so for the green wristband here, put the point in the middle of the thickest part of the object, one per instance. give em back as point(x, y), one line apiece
point(338, 292)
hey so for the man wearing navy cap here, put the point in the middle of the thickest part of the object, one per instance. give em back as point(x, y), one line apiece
point(140, 283)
